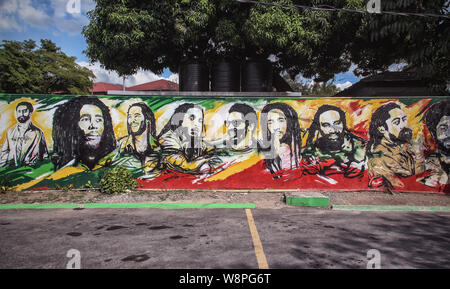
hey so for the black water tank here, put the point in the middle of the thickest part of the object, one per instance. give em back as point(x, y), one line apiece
point(226, 75)
point(256, 76)
point(193, 76)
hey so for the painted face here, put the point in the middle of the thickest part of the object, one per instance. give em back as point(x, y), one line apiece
point(235, 124)
point(193, 122)
point(397, 126)
point(331, 125)
point(91, 124)
point(277, 123)
point(443, 132)
point(136, 120)
point(22, 113)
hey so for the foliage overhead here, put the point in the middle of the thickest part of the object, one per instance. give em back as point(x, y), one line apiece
point(125, 35)
point(26, 68)
point(423, 43)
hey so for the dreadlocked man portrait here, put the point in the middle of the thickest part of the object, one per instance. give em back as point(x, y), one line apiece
point(184, 149)
point(83, 133)
point(281, 138)
point(141, 143)
point(390, 157)
point(437, 119)
point(331, 148)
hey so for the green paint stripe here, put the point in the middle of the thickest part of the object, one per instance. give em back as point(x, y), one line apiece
point(393, 208)
point(308, 202)
point(171, 205)
point(130, 205)
point(38, 206)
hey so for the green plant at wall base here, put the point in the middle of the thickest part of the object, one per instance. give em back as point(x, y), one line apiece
point(88, 185)
point(64, 188)
point(117, 180)
point(4, 185)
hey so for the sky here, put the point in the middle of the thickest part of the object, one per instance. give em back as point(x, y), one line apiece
point(62, 21)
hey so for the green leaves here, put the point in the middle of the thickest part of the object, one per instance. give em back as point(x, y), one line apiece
point(25, 68)
point(152, 35)
point(117, 180)
point(127, 35)
point(421, 42)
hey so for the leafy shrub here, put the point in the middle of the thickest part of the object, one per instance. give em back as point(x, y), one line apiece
point(117, 180)
point(4, 185)
point(65, 188)
point(88, 185)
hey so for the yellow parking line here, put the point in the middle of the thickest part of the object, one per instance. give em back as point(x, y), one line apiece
point(259, 252)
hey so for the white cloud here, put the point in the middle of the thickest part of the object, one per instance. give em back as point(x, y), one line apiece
point(17, 15)
point(342, 86)
point(8, 20)
point(9, 23)
point(31, 15)
point(8, 6)
point(60, 8)
point(174, 77)
point(397, 66)
point(103, 75)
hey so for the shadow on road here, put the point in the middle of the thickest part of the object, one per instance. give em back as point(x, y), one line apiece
point(341, 240)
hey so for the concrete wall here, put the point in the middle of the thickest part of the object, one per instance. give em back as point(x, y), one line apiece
point(213, 142)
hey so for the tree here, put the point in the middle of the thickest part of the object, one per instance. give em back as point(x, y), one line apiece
point(19, 72)
point(423, 43)
point(26, 68)
point(125, 35)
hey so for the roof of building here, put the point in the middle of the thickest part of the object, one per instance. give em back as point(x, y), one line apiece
point(389, 84)
point(104, 86)
point(161, 84)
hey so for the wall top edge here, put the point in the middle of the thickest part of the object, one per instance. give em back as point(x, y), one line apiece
point(203, 93)
point(225, 95)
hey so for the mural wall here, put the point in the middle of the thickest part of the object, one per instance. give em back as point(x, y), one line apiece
point(227, 143)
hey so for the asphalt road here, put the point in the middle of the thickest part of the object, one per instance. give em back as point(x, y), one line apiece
point(221, 238)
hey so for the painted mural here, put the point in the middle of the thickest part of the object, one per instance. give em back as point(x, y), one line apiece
point(227, 143)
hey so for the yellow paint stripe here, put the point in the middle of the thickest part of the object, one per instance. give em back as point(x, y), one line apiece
point(259, 252)
point(29, 184)
point(64, 172)
point(235, 168)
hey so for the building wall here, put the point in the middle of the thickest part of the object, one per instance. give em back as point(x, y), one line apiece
point(227, 142)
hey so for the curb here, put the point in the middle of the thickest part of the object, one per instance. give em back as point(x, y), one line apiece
point(392, 208)
point(167, 206)
point(308, 201)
